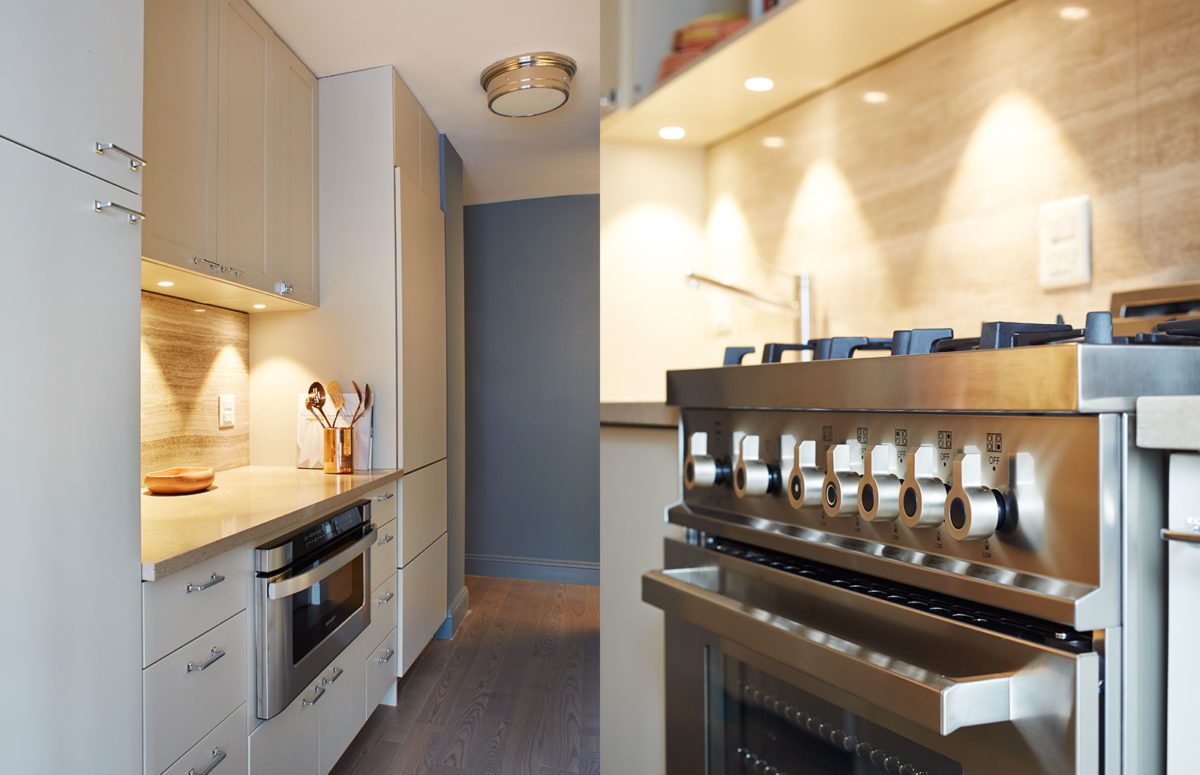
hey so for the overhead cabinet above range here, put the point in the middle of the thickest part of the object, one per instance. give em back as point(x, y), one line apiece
point(231, 117)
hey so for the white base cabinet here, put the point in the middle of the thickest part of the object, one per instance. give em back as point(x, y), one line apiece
point(341, 711)
point(288, 743)
point(221, 752)
point(421, 587)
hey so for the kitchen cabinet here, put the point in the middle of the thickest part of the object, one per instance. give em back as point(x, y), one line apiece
point(422, 510)
point(341, 713)
point(421, 277)
point(70, 323)
point(298, 140)
point(247, 130)
point(381, 673)
point(73, 78)
point(222, 751)
point(288, 743)
point(232, 113)
point(421, 586)
point(181, 131)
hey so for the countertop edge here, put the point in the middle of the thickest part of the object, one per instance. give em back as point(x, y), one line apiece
point(154, 571)
point(638, 414)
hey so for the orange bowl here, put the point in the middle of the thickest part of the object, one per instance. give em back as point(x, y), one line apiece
point(178, 481)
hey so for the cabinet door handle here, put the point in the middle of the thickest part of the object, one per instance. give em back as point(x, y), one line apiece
point(386, 597)
point(213, 656)
point(134, 216)
point(284, 288)
point(387, 496)
point(337, 673)
point(213, 580)
point(387, 656)
point(386, 538)
point(218, 756)
point(135, 162)
point(318, 693)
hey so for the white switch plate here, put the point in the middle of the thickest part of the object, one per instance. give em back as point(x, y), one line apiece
point(1065, 242)
point(225, 411)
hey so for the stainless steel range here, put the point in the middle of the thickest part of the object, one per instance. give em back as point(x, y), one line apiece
point(943, 561)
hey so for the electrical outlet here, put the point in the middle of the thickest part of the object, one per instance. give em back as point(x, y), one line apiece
point(1065, 242)
point(225, 410)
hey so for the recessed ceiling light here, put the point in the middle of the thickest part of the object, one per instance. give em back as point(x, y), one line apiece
point(773, 142)
point(1074, 13)
point(875, 97)
point(165, 283)
point(260, 306)
point(528, 84)
point(197, 310)
point(672, 133)
point(759, 83)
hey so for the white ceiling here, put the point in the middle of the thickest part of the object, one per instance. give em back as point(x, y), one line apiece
point(439, 48)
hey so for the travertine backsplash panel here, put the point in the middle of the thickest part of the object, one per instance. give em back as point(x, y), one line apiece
point(923, 210)
point(190, 354)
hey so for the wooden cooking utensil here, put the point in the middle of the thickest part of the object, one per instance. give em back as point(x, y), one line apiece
point(317, 391)
point(308, 404)
point(357, 409)
point(338, 399)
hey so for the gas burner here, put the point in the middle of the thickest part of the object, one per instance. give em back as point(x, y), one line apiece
point(997, 335)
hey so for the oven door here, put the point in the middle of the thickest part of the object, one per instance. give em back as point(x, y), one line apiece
point(773, 672)
point(306, 616)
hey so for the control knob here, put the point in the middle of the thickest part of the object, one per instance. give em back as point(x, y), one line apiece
point(975, 511)
point(699, 469)
point(752, 476)
point(879, 488)
point(804, 478)
point(843, 468)
point(923, 493)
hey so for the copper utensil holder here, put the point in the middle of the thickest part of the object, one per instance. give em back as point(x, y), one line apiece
point(339, 450)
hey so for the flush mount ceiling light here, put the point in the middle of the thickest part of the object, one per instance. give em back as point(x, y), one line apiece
point(875, 97)
point(672, 133)
point(759, 83)
point(1074, 13)
point(528, 84)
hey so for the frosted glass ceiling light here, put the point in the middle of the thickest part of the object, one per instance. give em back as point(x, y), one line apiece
point(528, 84)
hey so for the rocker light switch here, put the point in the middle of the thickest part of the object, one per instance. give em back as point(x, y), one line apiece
point(225, 411)
point(1065, 242)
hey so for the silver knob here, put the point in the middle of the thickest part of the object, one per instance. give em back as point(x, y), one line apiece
point(843, 467)
point(879, 488)
point(923, 494)
point(751, 476)
point(284, 288)
point(804, 478)
point(973, 511)
point(699, 469)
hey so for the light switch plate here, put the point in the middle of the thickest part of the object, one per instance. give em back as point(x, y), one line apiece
point(225, 410)
point(1065, 242)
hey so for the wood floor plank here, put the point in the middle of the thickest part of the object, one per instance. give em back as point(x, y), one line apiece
point(515, 693)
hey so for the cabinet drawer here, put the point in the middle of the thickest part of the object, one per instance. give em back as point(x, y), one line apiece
point(384, 504)
point(381, 671)
point(172, 615)
point(423, 510)
point(383, 554)
point(422, 590)
point(341, 711)
point(287, 743)
point(187, 694)
point(385, 602)
point(227, 743)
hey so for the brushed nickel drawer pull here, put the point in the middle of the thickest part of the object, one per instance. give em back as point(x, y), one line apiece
point(213, 656)
point(213, 580)
point(218, 756)
point(134, 216)
point(318, 693)
point(386, 538)
point(135, 162)
point(387, 496)
point(337, 673)
point(386, 598)
point(387, 656)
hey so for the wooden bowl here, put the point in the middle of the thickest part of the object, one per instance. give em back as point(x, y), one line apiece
point(179, 481)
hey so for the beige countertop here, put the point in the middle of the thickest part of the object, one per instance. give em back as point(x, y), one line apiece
point(249, 504)
point(638, 413)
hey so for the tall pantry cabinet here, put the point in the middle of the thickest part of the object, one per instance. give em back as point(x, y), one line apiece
point(382, 320)
point(69, 239)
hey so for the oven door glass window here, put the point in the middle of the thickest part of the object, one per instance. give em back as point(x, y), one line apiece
point(321, 609)
point(760, 724)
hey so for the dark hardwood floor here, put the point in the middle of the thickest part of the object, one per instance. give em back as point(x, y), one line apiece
point(517, 692)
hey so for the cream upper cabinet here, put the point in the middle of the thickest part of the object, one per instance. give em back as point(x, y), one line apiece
point(421, 254)
point(72, 79)
point(298, 163)
point(180, 189)
point(248, 220)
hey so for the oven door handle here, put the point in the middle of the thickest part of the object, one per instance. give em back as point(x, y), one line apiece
point(935, 701)
point(287, 587)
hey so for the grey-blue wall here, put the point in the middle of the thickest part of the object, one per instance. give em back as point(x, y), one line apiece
point(532, 291)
